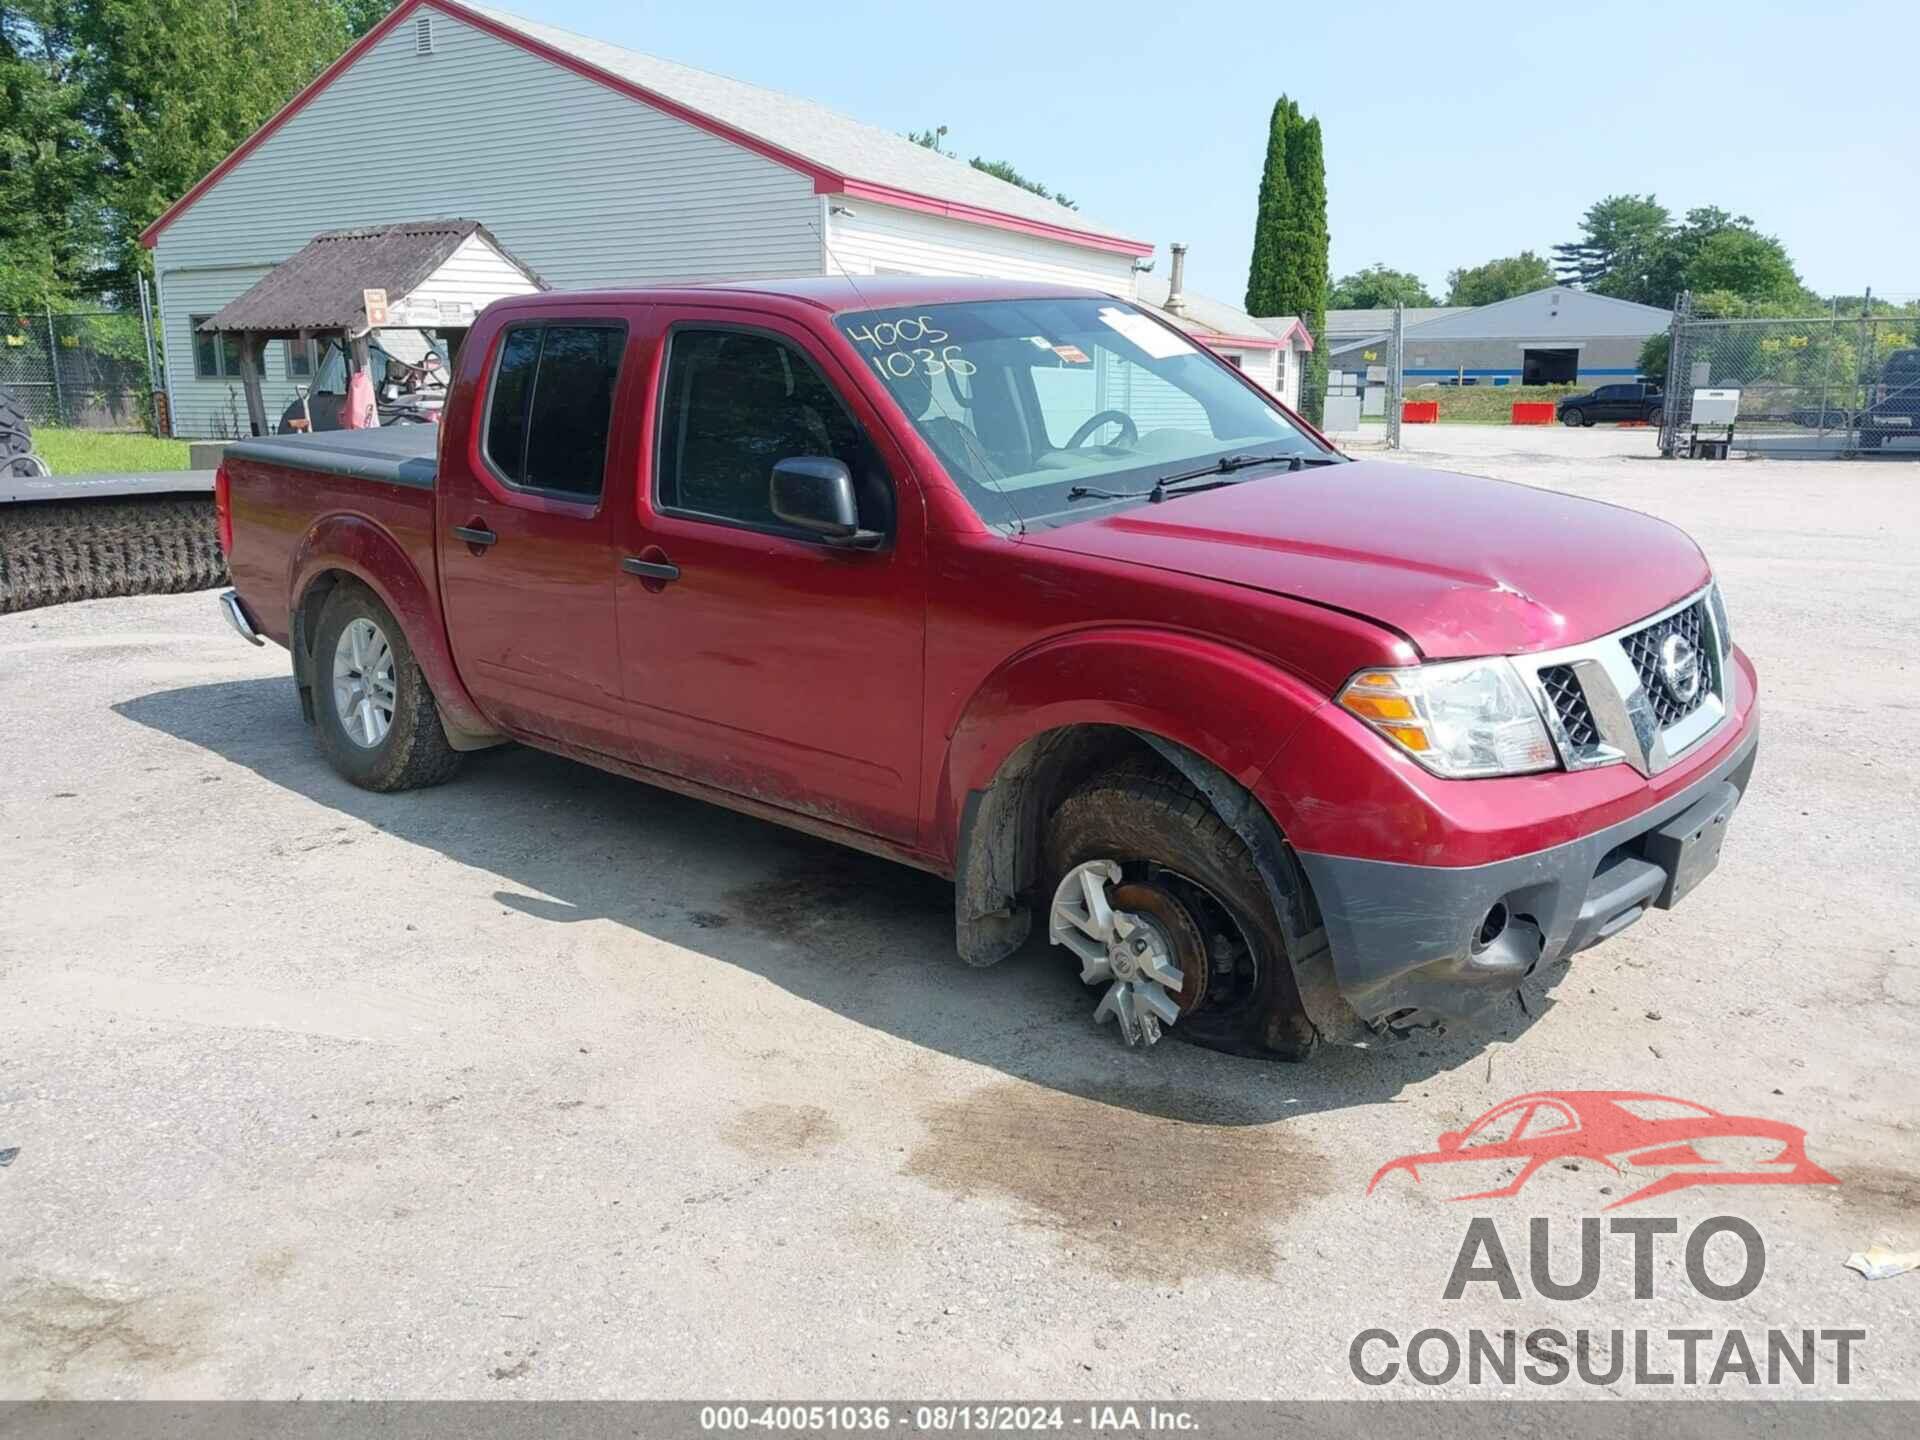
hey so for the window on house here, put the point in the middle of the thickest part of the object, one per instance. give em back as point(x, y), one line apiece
point(303, 358)
point(736, 403)
point(552, 406)
point(215, 357)
point(1280, 370)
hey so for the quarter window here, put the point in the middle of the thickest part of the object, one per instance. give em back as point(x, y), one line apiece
point(551, 407)
point(736, 403)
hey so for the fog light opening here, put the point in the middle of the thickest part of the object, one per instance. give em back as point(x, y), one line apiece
point(1492, 926)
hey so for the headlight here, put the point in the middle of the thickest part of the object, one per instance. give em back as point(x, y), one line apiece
point(1720, 619)
point(1461, 719)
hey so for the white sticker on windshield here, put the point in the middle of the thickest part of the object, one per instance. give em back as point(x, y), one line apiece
point(1159, 342)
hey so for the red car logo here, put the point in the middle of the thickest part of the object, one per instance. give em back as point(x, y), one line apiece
point(1623, 1130)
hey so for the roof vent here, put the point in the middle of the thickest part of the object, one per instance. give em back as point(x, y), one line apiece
point(423, 35)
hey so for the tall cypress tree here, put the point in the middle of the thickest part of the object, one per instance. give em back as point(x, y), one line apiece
point(1274, 213)
point(1288, 273)
point(1306, 167)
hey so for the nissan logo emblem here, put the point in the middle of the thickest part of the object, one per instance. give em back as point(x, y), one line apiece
point(1680, 668)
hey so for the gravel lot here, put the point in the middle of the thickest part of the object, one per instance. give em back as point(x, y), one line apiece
point(546, 1084)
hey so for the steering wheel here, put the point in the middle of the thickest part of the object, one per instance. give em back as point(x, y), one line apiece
point(1129, 432)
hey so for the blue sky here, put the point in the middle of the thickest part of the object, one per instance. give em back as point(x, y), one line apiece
point(1454, 133)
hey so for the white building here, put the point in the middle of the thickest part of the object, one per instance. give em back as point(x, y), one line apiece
point(595, 165)
point(1555, 336)
point(1273, 350)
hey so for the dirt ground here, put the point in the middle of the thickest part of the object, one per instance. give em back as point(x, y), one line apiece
point(546, 1084)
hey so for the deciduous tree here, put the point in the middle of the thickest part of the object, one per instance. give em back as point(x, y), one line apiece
point(1499, 279)
point(1377, 286)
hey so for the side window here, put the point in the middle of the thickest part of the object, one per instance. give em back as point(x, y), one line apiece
point(301, 355)
point(215, 357)
point(551, 407)
point(1497, 1129)
point(1546, 1120)
point(737, 402)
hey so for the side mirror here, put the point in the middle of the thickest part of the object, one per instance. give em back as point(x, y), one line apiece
point(815, 493)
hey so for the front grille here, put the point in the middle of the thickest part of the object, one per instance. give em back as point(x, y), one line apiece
point(1643, 650)
point(1570, 703)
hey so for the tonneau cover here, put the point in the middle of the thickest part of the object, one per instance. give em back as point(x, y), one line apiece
point(396, 454)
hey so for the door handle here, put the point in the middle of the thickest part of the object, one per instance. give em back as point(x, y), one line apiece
point(475, 535)
point(661, 570)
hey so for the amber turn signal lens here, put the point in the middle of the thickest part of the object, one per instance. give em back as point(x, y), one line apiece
point(1379, 707)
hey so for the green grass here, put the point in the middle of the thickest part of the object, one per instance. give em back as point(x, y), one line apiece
point(85, 452)
point(1482, 404)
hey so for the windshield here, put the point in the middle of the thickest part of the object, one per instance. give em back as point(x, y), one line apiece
point(1028, 401)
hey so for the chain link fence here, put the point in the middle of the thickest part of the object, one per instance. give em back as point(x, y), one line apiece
point(1832, 384)
point(1363, 387)
point(86, 370)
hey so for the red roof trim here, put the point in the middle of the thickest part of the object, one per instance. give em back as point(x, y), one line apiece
point(1238, 342)
point(957, 210)
point(293, 107)
point(1300, 329)
point(825, 182)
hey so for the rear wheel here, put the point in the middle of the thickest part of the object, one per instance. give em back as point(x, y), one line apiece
point(1163, 907)
point(1871, 439)
point(1572, 418)
point(1656, 414)
point(374, 715)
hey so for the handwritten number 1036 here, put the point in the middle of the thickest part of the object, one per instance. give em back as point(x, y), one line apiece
point(899, 364)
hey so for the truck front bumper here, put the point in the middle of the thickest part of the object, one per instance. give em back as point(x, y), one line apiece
point(1410, 941)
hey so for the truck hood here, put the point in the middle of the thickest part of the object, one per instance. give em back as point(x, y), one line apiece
point(1459, 564)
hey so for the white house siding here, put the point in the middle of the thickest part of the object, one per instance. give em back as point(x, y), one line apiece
point(585, 185)
point(880, 239)
point(476, 273)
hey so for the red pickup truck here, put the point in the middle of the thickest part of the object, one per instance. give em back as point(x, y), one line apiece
point(1016, 584)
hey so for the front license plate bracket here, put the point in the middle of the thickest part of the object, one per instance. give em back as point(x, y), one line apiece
point(1687, 847)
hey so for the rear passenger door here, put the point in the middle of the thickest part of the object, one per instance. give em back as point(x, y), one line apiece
point(528, 553)
point(760, 659)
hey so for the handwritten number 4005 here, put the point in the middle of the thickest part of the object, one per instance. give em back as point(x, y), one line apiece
point(932, 354)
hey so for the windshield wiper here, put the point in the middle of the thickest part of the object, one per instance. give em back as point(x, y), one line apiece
point(1225, 465)
point(1215, 474)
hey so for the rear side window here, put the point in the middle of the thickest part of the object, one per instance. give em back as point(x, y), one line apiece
point(551, 407)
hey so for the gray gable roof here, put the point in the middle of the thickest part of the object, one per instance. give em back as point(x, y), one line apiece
point(1201, 311)
point(1344, 324)
point(1556, 310)
point(320, 287)
point(805, 129)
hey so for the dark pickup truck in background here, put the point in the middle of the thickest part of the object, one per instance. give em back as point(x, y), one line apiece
point(1637, 400)
point(1017, 585)
point(1893, 402)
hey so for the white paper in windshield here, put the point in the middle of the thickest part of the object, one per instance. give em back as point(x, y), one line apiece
point(1159, 342)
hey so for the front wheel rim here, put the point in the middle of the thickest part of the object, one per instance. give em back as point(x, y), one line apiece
point(364, 692)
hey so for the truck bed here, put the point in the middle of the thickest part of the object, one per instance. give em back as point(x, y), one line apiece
point(397, 454)
point(366, 495)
